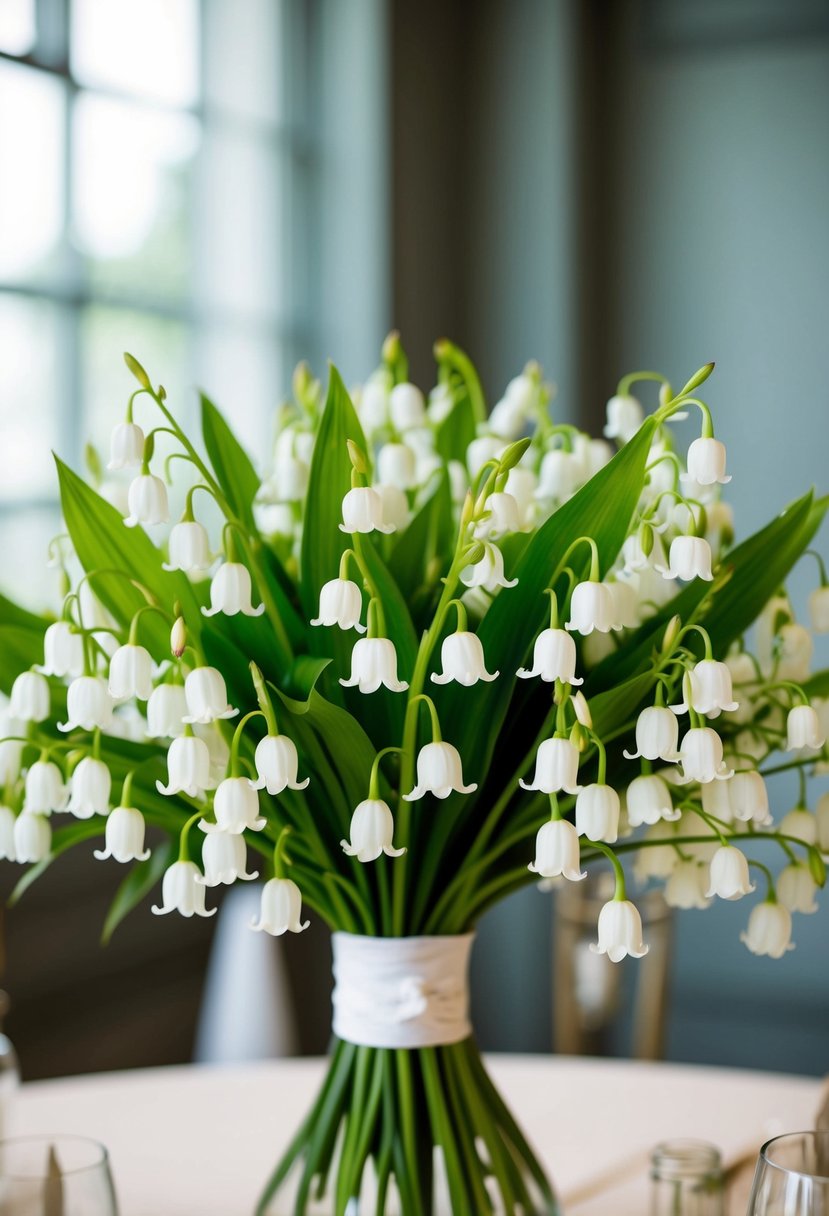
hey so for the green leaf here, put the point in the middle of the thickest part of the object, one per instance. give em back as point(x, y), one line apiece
point(20, 649)
point(231, 464)
point(329, 481)
point(457, 430)
point(137, 884)
point(62, 839)
point(13, 614)
point(423, 552)
point(103, 542)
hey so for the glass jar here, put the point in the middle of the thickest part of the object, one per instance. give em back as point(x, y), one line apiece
point(9, 1073)
point(686, 1179)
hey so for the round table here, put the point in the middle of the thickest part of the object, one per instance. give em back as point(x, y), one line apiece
point(203, 1139)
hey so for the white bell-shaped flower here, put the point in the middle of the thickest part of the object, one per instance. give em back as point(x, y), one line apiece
point(591, 607)
point(373, 406)
point(363, 511)
point(147, 501)
point(374, 662)
point(88, 705)
point(488, 572)
point(165, 712)
point(231, 591)
point(439, 772)
point(557, 851)
point(561, 475)
point(89, 789)
point(11, 753)
point(799, 823)
point(407, 407)
point(396, 512)
point(728, 875)
point(188, 767)
point(124, 838)
point(554, 658)
point(32, 837)
point(504, 516)
point(482, 449)
point(341, 603)
point(458, 481)
point(819, 609)
point(634, 557)
point(619, 931)
point(205, 694)
point(711, 691)
point(289, 480)
point(769, 930)
point(126, 446)
point(462, 658)
point(281, 908)
point(685, 887)
point(624, 417)
point(62, 650)
point(597, 813)
point(706, 462)
point(371, 832)
point(44, 790)
point(277, 765)
point(795, 650)
point(7, 822)
point(224, 858)
point(626, 611)
point(556, 768)
point(275, 518)
point(397, 466)
point(522, 485)
point(701, 756)
point(131, 673)
point(30, 701)
point(689, 557)
point(441, 403)
point(648, 800)
point(236, 807)
point(508, 417)
point(803, 729)
point(657, 734)
point(594, 454)
point(716, 799)
point(796, 889)
point(657, 859)
point(188, 547)
point(749, 798)
point(183, 891)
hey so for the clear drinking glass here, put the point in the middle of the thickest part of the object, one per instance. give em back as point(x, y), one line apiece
point(792, 1177)
point(55, 1176)
point(686, 1179)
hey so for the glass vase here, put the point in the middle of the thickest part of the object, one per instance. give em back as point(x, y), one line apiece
point(408, 1132)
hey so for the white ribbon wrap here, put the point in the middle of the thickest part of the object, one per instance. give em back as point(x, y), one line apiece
point(401, 991)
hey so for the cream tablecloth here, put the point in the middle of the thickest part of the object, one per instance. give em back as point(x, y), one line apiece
point(201, 1140)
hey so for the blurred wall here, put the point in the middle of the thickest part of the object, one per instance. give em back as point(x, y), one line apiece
point(605, 186)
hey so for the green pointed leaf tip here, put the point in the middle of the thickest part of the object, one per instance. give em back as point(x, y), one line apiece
point(137, 370)
point(697, 379)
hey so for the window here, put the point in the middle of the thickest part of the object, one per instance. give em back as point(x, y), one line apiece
point(156, 167)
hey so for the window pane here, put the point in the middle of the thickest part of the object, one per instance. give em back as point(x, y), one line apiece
point(30, 401)
point(32, 159)
point(146, 47)
point(17, 26)
point(131, 194)
point(159, 344)
point(241, 266)
point(244, 58)
point(246, 378)
point(25, 575)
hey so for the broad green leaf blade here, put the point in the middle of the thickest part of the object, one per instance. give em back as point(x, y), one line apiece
point(103, 542)
point(603, 509)
point(231, 464)
point(137, 884)
point(20, 649)
point(329, 481)
point(13, 614)
point(424, 550)
point(457, 430)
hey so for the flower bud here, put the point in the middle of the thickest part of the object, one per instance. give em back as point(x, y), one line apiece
point(178, 637)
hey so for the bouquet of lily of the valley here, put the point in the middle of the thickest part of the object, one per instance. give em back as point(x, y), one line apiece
point(428, 656)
